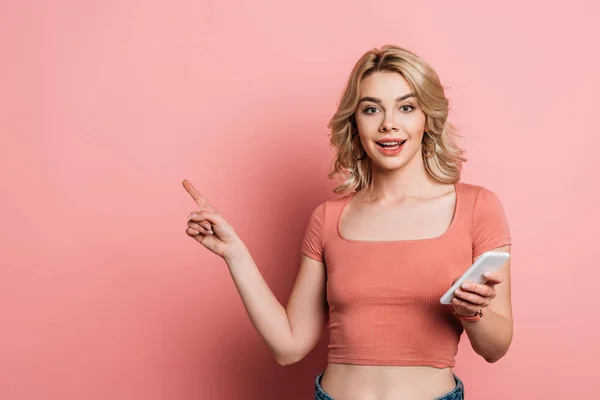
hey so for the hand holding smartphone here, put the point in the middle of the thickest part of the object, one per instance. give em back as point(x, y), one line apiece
point(490, 261)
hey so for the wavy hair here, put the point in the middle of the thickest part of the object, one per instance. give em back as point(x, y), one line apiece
point(442, 157)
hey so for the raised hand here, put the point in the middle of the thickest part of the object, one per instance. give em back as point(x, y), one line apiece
point(209, 228)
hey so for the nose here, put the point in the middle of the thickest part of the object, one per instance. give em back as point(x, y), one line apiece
point(388, 124)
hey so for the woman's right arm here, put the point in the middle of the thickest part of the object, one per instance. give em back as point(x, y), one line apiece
point(290, 333)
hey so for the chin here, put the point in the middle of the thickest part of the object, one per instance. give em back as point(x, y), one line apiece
point(392, 164)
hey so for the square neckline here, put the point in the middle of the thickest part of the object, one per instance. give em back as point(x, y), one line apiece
point(450, 227)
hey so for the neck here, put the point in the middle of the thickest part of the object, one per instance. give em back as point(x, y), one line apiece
point(412, 180)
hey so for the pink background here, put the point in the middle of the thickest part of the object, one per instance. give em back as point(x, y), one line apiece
point(106, 106)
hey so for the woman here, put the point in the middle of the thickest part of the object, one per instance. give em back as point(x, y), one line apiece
point(377, 260)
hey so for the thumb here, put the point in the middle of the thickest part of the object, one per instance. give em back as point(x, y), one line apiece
point(206, 215)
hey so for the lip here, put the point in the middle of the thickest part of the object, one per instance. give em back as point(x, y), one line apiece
point(390, 140)
point(389, 152)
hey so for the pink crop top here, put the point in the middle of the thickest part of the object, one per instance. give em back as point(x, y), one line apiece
point(383, 296)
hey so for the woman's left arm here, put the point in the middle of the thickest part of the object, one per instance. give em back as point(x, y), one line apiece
point(491, 335)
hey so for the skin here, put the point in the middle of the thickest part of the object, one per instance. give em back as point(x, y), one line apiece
point(402, 189)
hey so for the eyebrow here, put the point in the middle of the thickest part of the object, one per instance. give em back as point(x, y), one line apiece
point(376, 100)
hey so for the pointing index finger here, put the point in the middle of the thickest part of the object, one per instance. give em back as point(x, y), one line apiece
point(198, 198)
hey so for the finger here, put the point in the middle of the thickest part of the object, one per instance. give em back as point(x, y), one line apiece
point(471, 308)
point(470, 297)
point(205, 224)
point(493, 278)
point(481, 290)
point(200, 228)
point(201, 216)
point(192, 232)
point(198, 198)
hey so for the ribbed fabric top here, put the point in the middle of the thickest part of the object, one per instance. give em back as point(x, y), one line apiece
point(384, 296)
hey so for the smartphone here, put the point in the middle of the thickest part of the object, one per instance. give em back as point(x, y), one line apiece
point(490, 261)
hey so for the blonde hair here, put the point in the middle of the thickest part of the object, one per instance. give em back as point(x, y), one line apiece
point(442, 157)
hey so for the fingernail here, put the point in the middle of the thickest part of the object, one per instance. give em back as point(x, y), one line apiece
point(488, 275)
point(210, 232)
point(466, 286)
point(192, 215)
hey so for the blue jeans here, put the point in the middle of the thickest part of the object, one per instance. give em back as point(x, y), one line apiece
point(458, 393)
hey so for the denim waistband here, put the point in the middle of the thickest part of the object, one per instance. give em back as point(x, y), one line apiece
point(456, 394)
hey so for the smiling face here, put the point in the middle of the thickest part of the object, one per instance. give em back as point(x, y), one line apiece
point(389, 121)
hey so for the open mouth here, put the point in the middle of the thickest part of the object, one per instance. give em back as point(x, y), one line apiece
point(391, 145)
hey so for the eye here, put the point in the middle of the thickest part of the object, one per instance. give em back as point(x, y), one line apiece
point(370, 110)
point(407, 108)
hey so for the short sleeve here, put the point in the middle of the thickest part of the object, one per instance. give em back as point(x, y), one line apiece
point(490, 225)
point(312, 244)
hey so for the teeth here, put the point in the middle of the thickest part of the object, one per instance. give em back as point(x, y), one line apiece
point(390, 144)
